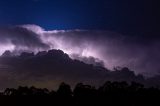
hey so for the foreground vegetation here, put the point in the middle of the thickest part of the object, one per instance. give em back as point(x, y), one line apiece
point(109, 94)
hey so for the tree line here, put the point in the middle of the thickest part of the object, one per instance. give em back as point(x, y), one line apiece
point(109, 94)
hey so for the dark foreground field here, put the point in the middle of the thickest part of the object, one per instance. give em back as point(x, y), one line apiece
point(109, 94)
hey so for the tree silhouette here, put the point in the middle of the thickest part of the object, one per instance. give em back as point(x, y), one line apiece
point(110, 93)
point(64, 90)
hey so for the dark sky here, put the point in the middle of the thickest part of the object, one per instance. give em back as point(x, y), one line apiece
point(125, 16)
point(111, 33)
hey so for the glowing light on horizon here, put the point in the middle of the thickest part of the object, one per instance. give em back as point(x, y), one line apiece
point(5, 47)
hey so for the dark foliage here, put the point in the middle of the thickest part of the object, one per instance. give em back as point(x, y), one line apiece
point(109, 94)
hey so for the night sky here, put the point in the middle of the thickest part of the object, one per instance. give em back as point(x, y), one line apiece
point(125, 16)
point(105, 33)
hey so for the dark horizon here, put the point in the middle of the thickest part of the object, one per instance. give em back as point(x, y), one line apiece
point(110, 93)
point(46, 69)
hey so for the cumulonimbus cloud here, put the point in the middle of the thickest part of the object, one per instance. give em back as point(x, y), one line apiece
point(140, 53)
point(16, 38)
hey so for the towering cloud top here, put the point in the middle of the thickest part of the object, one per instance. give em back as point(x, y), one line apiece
point(140, 53)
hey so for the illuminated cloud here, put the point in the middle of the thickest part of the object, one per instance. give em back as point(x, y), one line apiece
point(16, 38)
point(139, 53)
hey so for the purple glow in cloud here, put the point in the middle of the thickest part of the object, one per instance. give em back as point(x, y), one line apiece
point(135, 52)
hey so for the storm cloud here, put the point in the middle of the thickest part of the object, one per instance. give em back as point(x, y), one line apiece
point(139, 52)
point(48, 68)
point(16, 38)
